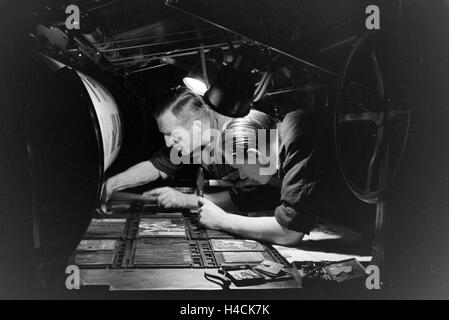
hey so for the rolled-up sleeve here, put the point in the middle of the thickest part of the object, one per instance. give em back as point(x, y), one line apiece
point(301, 168)
point(293, 220)
point(298, 208)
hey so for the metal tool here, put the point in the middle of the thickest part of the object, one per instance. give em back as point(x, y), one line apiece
point(219, 279)
point(219, 184)
point(200, 182)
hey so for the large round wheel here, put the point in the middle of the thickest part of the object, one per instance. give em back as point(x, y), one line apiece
point(371, 119)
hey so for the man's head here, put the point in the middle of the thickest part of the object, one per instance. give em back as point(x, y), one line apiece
point(250, 145)
point(182, 119)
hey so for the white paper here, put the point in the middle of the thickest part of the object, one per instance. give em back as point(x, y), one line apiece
point(108, 117)
point(299, 255)
point(325, 231)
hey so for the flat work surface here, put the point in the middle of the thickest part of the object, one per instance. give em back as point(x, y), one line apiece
point(163, 251)
point(166, 279)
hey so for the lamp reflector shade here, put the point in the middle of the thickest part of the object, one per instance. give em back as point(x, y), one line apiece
point(196, 85)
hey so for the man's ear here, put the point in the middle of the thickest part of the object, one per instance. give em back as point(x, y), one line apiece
point(256, 154)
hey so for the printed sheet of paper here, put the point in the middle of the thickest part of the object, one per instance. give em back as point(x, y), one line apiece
point(94, 258)
point(243, 257)
point(162, 228)
point(97, 245)
point(236, 245)
point(106, 226)
point(162, 253)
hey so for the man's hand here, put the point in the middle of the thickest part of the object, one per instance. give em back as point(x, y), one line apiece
point(109, 188)
point(211, 216)
point(169, 198)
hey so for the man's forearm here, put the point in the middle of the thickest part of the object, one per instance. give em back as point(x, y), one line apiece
point(137, 175)
point(260, 228)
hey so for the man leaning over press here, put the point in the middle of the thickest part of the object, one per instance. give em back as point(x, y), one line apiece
point(186, 123)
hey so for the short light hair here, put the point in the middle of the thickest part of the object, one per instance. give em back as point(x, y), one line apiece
point(183, 103)
point(241, 134)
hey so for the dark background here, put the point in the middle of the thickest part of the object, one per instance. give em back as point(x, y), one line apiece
point(416, 251)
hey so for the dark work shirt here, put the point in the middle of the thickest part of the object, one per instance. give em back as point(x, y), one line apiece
point(311, 184)
point(307, 169)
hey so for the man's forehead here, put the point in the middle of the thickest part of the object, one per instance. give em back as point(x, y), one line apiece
point(168, 122)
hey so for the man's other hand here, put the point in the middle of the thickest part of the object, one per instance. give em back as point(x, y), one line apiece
point(211, 216)
point(109, 188)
